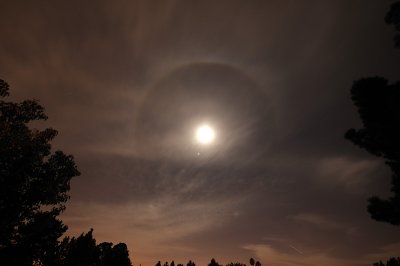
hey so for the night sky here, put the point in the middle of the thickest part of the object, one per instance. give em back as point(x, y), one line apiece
point(126, 83)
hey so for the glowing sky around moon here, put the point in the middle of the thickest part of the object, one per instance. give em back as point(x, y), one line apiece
point(205, 134)
point(263, 75)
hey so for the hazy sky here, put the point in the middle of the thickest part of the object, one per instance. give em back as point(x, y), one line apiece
point(126, 83)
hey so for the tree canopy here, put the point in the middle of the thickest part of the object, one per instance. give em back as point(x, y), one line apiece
point(213, 262)
point(390, 262)
point(34, 184)
point(378, 106)
point(84, 251)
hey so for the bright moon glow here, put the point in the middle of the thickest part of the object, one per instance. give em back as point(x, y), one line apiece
point(205, 134)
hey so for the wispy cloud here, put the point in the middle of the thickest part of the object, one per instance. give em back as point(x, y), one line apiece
point(324, 222)
point(350, 173)
point(157, 225)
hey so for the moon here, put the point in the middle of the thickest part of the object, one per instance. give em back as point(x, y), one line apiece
point(205, 134)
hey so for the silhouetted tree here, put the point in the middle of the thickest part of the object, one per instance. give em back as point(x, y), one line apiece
point(180, 264)
point(158, 263)
point(33, 185)
point(119, 256)
point(105, 253)
point(213, 263)
point(172, 263)
point(258, 263)
point(110, 255)
point(33, 190)
point(393, 18)
point(166, 263)
point(251, 261)
point(191, 263)
point(379, 110)
point(378, 106)
point(84, 251)
point(235, 264)
point(390, 262)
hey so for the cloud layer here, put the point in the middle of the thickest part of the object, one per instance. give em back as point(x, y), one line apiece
point(126, 84)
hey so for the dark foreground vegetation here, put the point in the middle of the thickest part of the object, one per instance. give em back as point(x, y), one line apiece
point(391, 262)
point(34, 185)
point(213, 262)
point(378, 105)
point(34, 181)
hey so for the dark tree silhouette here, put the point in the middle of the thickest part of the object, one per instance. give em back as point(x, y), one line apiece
point(119, 256)
point(251, 261)
point(33, 185)
point(235, 264)
point(191, 263)
point(105, 253)
point(379, 109)
point(393, 18)
point(213, 263)
point(172, 263)
point(158, 263)
point(84, 251)
point(33, 190)
point(390, 262)
point(81, 250)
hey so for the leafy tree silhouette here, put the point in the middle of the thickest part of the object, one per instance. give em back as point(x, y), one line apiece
point(105, 253)
point(390, 262)
point(235, 264)
point(84, 251)
point(119, 256)
point(379, 110)
point(33, 185)
point(33, 190)
point(213, 263)
point(191, 263)
point(251, 261)
point(378, 106)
